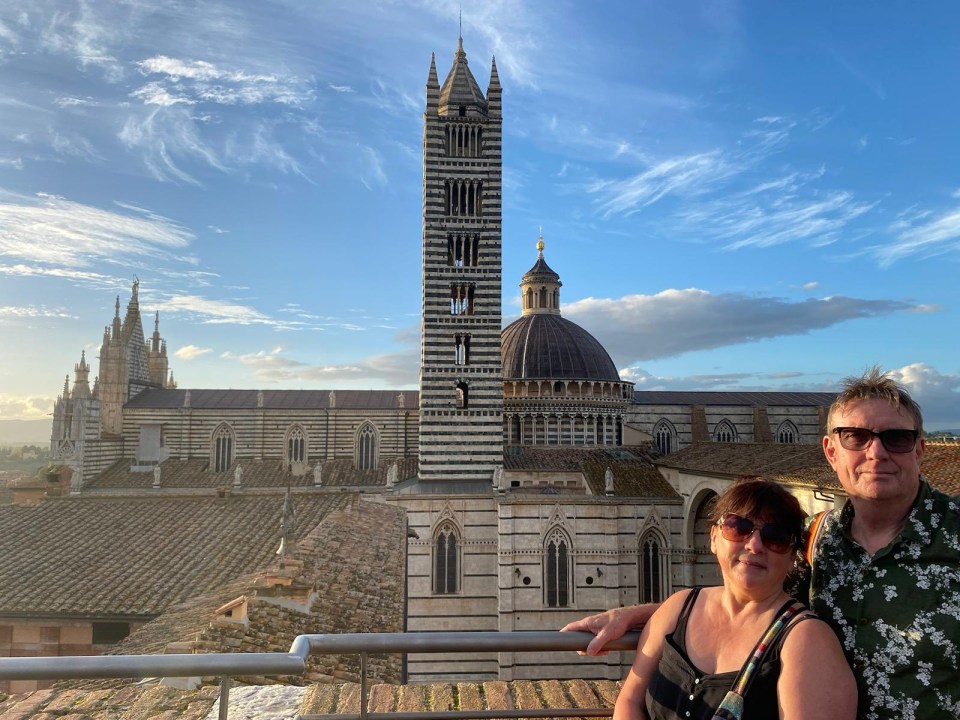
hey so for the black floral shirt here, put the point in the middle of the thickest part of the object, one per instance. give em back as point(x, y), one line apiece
point(897, 613)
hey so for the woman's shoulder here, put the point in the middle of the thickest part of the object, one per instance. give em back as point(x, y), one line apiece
point(808, 633)
point(668, 612)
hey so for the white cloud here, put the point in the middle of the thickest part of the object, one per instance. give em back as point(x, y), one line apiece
point(389, 370)
point(195, 81)
point(921, 233)
point(14, 312)
point(55, 231)
point(214, 312)
point(341, 88)
point(25, 407)
point(937, 393)
point(190, 352)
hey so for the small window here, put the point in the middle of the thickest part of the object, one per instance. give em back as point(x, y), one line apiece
point(665, 437)
point(653, 570)
point(725, 432)
point(222, 449)
point(367, 448)
point(296, 445)
point(445, 556)
point(463, 396)
point(557, 569)
point(787, 433)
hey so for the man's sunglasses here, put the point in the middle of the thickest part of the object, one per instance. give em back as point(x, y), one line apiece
point(895, 440)
point(774, 537)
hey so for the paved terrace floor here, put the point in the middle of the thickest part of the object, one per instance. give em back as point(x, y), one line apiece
point(269, 702)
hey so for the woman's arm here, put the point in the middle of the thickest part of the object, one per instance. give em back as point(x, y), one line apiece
point(612, 624)
point(631, 702)
point(815, 679)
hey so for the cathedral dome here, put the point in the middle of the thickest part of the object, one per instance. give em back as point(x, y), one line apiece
point(547, 346)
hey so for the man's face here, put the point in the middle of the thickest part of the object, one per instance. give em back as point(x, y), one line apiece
point(874, 473)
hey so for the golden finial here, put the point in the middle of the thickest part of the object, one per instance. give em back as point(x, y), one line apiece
point(540, 244)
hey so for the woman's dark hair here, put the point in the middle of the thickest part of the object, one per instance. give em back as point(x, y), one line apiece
point(761, 501)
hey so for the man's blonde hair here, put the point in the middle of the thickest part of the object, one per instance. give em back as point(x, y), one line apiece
point(875, 385)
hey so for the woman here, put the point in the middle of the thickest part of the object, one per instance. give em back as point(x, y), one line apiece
point(692, 649)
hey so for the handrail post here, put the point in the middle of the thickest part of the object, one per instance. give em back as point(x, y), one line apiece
point(363, 686)
point(224, 697)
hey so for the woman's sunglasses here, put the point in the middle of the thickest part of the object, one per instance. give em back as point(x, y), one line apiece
point(895, 440)
point(774, 537)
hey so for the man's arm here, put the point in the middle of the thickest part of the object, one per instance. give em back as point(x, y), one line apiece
point(612, 624)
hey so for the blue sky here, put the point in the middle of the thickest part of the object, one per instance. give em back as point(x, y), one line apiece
point(736, 195)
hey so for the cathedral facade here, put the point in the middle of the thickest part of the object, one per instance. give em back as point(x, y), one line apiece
point(526, 465)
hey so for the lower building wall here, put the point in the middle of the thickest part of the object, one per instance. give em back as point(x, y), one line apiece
point(45, 638)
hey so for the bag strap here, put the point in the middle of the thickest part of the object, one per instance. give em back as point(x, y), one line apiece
point(814, 533)
point(776, 629)
point(732, 706)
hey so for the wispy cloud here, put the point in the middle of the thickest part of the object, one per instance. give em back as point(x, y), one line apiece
point(190, 352)
point(13, 312)
point(199, 81)
point(58, 232)
point(168, 138)
point(213, 312)
point(389, 370)
point(921, 233)
point(673, 322)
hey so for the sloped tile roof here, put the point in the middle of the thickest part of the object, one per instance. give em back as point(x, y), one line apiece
point(135, 556)
point(634, 474)
point(752, 399)
point(800, 464)
point(204, 399)
point(941, 466)
point(196, 473)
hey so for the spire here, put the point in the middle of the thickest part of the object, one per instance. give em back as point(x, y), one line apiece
point(81, 383)
point(494, 92)
point(433, 86)
point(460, 94)
point(66, 387)
point(156, 333)
point(115, 335)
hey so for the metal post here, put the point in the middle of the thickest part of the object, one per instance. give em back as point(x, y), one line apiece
point(363, 686)
point(224, 697)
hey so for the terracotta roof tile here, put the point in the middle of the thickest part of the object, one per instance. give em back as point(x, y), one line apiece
point(185, 474)
point(634, 474)
point(134, 556)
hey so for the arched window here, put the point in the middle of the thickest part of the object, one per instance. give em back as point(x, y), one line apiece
point(463, 396)
point(665, 436)
point(446, 549)
point(725, 432)
point(296, 445)
point(556, 570)
point(367, 447)
point(787, 433)
point(221, 449)
point(652, 561)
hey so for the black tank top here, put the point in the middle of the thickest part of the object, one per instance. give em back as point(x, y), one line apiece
point(679, 690)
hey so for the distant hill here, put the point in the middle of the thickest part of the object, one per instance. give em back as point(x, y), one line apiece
point(25, 432)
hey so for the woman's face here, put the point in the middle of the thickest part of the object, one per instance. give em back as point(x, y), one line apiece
point(749, 564)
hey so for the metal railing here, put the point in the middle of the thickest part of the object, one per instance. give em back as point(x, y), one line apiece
point(294, 662)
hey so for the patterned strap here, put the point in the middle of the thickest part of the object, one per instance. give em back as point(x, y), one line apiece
point(769, 637)
point(815, 532)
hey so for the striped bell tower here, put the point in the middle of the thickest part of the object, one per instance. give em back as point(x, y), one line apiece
point(461, 383)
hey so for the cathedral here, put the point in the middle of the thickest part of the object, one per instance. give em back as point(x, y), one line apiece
point(537, 484)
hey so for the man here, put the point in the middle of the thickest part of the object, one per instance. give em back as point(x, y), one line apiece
point(886, 570)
